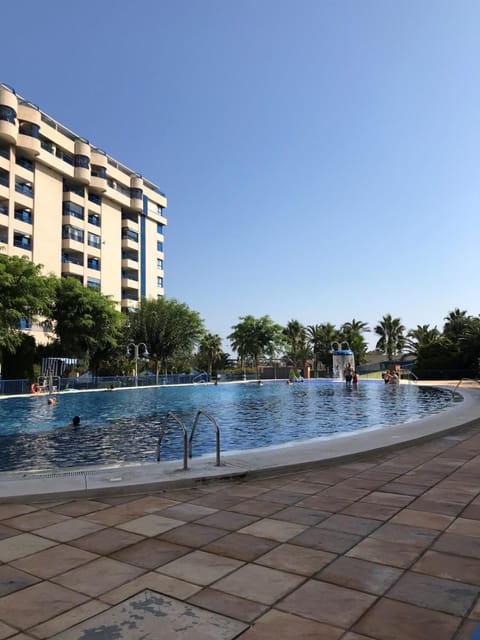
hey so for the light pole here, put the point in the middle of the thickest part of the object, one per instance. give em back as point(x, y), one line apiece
point(136, 356)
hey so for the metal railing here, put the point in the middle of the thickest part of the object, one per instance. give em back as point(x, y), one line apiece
point(217, 435)
point(460, 382)
point(164, 430)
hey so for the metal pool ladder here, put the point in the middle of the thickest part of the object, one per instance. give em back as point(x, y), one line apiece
point(187, 448)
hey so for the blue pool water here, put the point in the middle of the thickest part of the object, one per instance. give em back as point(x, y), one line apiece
point(124, 425)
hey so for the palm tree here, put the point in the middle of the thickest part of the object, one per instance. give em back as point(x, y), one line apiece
point(391, 332)
point(210, 350)
point(456, 322)
point(321, 337)
point(255, 337)
point(351, 332)
point(297, 344)
point(421, 337)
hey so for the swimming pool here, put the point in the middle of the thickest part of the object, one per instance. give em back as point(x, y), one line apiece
point(123, 426)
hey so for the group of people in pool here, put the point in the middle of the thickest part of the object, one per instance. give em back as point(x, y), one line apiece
point(350, 375)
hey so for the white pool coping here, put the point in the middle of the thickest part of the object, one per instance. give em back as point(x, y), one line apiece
point(93, 481)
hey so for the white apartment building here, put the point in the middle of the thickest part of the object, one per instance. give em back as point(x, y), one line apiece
point(70, 207)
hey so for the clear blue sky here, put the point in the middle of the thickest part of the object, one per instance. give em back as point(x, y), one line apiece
point(321, 159)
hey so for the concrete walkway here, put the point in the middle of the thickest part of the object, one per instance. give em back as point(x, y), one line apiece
point(381, 546)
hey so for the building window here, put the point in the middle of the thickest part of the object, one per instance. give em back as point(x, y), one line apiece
point(5, 151)
point(72, 233)
point(69, 187)
point(93, 240)
point(136, 194)
point(159, 246)
point(93, 263)
point(98, 172)
point(72, 259)
point(159, 263)
point(82, 161)
point(22, 241)
point(93, 283)
point(24, 187)
point(72, 209)
point(160, 227)
point(29, 129)
point(160, 282)
point(94, 219)
point(7, 114)
point(25, 163)
point(128, 234)
point(24, 323)
point(25, 215)
point(94, 198)
point(4, 178)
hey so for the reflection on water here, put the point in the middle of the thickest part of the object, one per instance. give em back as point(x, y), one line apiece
point(124, 426)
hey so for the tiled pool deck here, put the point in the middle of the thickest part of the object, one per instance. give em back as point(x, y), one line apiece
point(382, 546)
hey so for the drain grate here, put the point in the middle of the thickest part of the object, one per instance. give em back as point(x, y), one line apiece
point(48, 476)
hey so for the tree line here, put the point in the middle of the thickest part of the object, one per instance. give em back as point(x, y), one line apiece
point(85, 324)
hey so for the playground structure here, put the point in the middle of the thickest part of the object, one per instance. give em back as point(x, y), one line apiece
point(343, 359)
point(52, 369)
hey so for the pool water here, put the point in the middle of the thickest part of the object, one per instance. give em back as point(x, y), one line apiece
point(124, 425)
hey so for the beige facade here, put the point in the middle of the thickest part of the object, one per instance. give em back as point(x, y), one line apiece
point(70, 207)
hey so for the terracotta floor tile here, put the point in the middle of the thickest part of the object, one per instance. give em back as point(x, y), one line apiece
point(327, 603)
point(22, 545)
point(151, 504)
point(350, 524)
point(434, 593)
point(404, 488)
point(392, 554)
point(326, 540)
point(393, 620)
point(12, 579)
point(453, 567)
point(193, 535)
point(150, 525)
point(228, 605)
point(301, 560)
point(241, 546)
point(259, 584)
point(228, 520)
point(300, 515)
point(157, 582)
point(389, 499)
point(322, 503)
point(281, 496)
point(68, 530)
point(6, 631)
point(458, 545)
point(301, 486)
point(64, 621)
point(424, 519)
point(107, 541)
point(218, 500)
point(11, 510)
point(54, 561)
point(200, 567)
point(277, 624)
point(355, 636)
point(98, 576)
point(38, 603)
point(79, 507)
point(437, 506)
point(360, 574)
point(35, 520)
point(467, 630)
point(465, 527)
point(475, 612)
point(472, 512)
point(257, 507)
point(371, 510)
point(405, 534)
point(187, 512)
point(279, 530)
point(115, 515)
point(8, 532)
point(150, 553)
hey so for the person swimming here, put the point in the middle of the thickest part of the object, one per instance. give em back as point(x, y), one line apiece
point(52, 400)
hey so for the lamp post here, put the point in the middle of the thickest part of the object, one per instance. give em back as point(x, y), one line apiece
point(136, 356)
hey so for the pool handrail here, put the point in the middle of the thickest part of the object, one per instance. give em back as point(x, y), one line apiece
point(179, 422)
point(460, 382)
point(201, 413)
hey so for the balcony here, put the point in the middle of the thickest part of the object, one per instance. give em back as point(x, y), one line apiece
point(25, 188)
point(22, 241)
point(8, 116)
point(71, 269)
point(24, 215)
point(130, 263)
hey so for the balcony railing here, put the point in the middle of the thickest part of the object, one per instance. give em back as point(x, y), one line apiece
point(25, 189)
point(24, 216)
